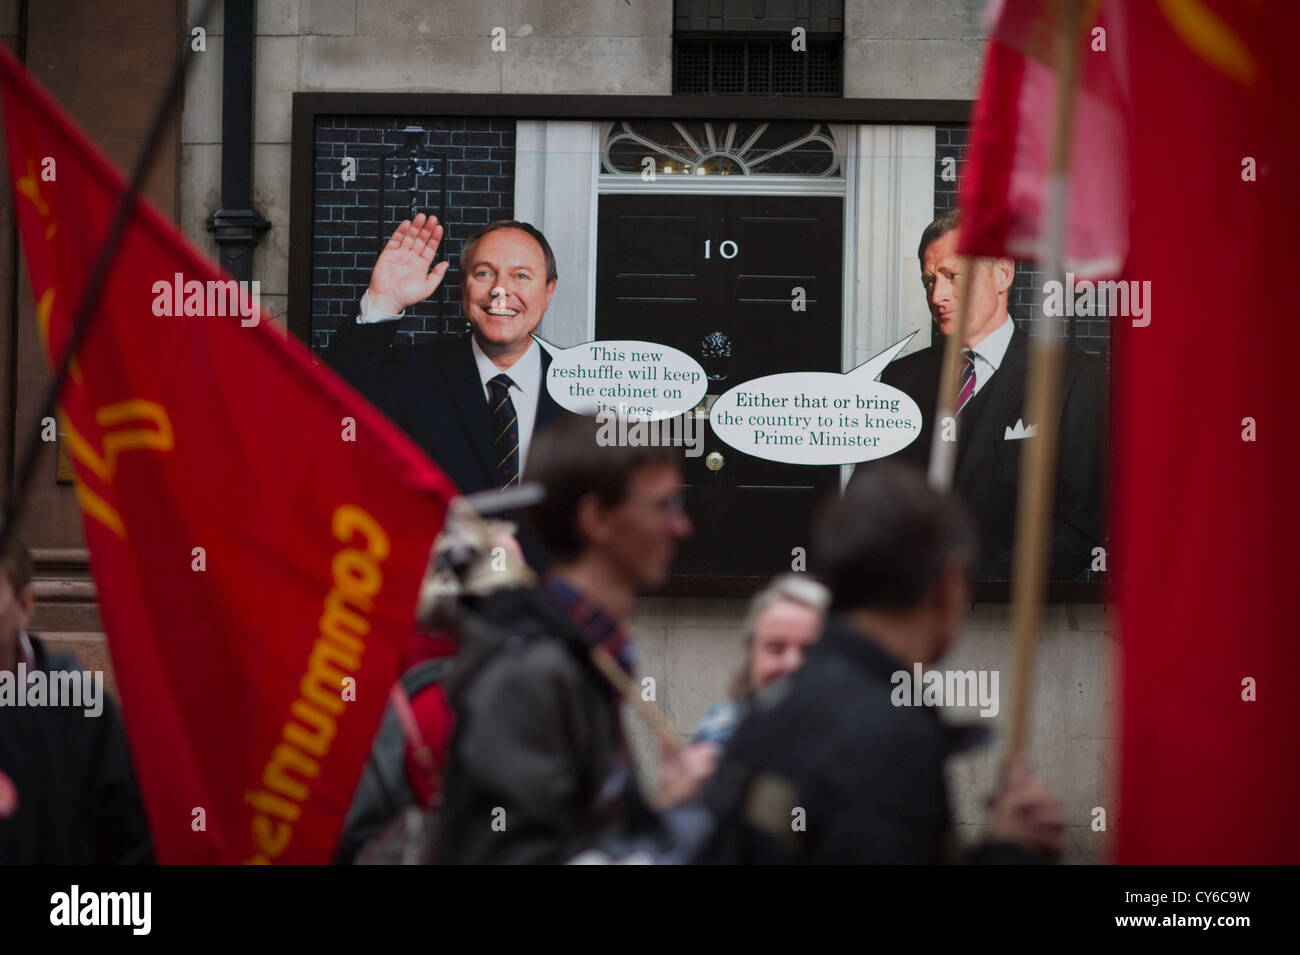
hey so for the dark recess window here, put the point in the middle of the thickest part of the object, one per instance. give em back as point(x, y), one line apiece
point(744, 48)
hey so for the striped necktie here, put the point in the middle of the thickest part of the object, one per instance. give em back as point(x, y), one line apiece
point(966, 383)
point(505, 430)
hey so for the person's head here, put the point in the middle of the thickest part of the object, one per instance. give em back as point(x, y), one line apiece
point(16, 595)
point(784, 620)
point(896, 549)
point(507, 278)
point(943, 275)
point(620, 506)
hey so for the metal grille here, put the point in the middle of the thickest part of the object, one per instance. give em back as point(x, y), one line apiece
point(690, 67)
point(758, 71)
point(825, 67)
point(731, 67)
point(728, 68)
point(788, 71)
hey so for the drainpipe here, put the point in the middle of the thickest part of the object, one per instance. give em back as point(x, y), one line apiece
point(236, 226)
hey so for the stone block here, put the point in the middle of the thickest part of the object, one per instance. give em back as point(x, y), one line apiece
point(912, 69)
point(609, 65)
point(201, 115)
point(328, 17)
point(408, 63)
point(277, 18)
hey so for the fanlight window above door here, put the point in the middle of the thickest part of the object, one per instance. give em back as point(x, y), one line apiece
point(742, 148)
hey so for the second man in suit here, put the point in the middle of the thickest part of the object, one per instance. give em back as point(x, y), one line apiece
point(992, 427)
point(473, 403)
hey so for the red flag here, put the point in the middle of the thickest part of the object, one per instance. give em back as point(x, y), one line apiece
point(1206, 511)
point(1004, 190)
point(257, 531)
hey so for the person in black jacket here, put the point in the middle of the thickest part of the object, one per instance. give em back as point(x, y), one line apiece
point(539, 769)
point(833, 764)
point(993, 426)
point(472, 403)
point(68, 794)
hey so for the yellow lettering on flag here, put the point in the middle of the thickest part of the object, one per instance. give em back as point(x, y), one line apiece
point(44, 309)
point(153, 432)
point(1211, 38)
point(29, 186)
point(98, 508)
point(320, 704)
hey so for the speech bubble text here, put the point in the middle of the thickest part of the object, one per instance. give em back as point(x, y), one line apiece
point(631, 379)
point(819, 417)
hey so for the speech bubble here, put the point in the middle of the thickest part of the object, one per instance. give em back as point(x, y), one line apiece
point(819, 417)
point(632, 379)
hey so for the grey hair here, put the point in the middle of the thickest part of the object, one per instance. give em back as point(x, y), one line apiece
point(791, 588)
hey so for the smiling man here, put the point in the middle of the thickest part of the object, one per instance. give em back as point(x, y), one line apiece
point(474, 402)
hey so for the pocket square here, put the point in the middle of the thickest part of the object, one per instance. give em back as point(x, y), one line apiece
point(1020, 432)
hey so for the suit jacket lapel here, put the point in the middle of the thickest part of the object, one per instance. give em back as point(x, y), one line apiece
point(547, 408)
point(1005, 390)
point(461, 375)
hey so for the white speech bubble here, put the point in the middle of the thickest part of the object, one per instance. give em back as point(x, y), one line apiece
point(819, 417)
point(632, 379)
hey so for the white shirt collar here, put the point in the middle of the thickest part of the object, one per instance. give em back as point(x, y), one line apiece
point(526, 373)
point(993, 348)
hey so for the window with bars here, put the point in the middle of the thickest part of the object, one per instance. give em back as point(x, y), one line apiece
point(743, 47)
point(757, 67)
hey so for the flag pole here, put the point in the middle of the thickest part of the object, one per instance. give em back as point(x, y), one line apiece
point(85, 311)
point(610, 669)
point(1038, 465)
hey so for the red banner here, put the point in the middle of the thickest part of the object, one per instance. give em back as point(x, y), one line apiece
point(1206, 511)
point(257, 531)
point(1004, 189)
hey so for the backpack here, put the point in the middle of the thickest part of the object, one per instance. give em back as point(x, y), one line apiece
point(385, 818)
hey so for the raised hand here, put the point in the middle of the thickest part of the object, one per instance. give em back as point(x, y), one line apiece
point(401, 276)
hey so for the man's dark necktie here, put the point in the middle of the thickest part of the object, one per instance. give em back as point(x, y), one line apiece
point(966, 383)
point(505, 430)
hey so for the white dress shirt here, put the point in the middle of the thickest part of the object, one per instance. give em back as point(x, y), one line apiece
point(369, 314)
point(989, 353)
point(526, 375)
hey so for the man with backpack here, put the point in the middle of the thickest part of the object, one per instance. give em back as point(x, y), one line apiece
point(539, 768)
point(392, 818)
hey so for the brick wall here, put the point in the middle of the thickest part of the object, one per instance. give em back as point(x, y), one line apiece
point(1091, 335)
point(463, 173)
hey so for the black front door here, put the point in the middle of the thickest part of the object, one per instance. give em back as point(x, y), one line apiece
point(715, 276)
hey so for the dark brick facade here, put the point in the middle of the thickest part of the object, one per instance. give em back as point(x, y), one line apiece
point(1091, 335)
point(464, 173)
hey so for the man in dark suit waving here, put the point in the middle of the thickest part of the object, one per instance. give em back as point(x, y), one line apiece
point(991, 425)
point(475, 402)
